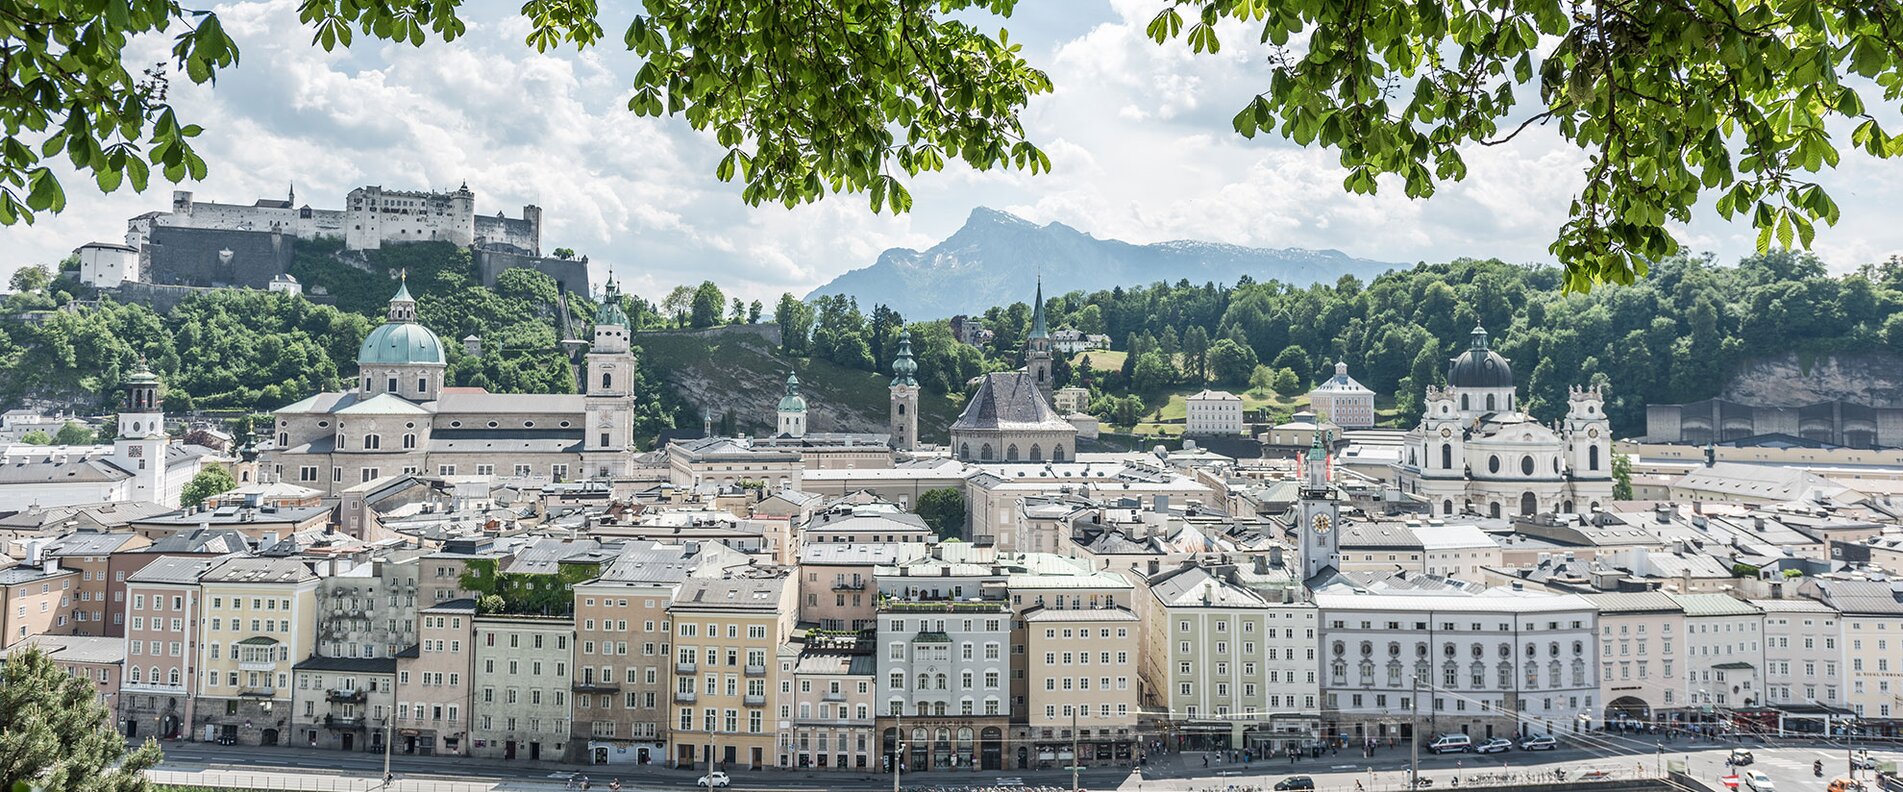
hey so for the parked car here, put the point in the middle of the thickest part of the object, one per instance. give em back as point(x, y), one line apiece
point(1495, 745)
point(1539, 742)
point(1758, 781)
point(1451, 743)
point(1294, 782)
point(1741, 757)
point(713, 780)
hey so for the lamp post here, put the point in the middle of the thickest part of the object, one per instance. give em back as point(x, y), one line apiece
point(1414, 738)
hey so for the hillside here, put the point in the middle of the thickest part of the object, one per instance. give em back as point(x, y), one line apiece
point(996, 257)
point(739, 370)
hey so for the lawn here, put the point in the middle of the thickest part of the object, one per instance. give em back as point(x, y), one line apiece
point(1100, 359)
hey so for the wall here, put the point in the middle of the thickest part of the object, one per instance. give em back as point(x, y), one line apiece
point(572, 274)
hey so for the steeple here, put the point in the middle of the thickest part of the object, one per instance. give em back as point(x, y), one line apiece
point(792, 409)
point(904, 368)
point(1039, 329)
point(1316, 465)
point(402, 305)
point(1479, 336)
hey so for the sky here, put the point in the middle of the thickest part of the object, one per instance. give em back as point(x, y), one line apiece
point(1138, 135)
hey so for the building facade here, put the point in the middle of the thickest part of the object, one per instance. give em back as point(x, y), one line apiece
point(1213, 412)
point(522, 689)
point(727, 637)
point(260, 619)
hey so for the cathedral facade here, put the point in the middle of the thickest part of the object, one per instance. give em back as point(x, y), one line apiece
point(1010, 418)
point(1477, 452)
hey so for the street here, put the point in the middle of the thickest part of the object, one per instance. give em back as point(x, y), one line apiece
point(1789, 764)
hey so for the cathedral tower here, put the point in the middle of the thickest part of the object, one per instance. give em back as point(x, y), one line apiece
point(1320, 515)
point(140, 446)
point(792, 409)
point(904, 416)
point(609, 387)
point(1037, 347)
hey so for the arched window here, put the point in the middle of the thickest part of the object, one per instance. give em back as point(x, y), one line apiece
point(1592, 457)
point(409, 441)
point(1490, 402)
point(1011, 452)
point(1447, 506)
point(1057, 453)
point(924, 681)
point(984, 452)
point(135, 675)
point(607, 380)
point(1037, 453)
point(1463, 401)
point(1529, 505)
point(284, 439)
point(901, 408)
point(1493, 510)
point(964, 450)
point(1447, 456)
point(372, 442)
point(171, 677)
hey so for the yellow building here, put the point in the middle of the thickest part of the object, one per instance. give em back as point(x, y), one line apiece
point(727, 634)
point(260, 619)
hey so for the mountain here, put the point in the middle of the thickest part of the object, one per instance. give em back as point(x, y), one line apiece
point(996, 257)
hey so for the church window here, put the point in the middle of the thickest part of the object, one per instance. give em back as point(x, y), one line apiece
point(604, 438)
point(1526, 465)
point(1592, 457)
point(1011, 452)
point(1057, 453)
point(964, 451)
point(607, 380)
point(366, 383)
point(1489, 402)
point(409, 441)
point(1447, 506)
point(392, 385)
point(1529, 505)
point(1493, 463)
point(1493, 510)
point(372, 442)
point(1037, 454)
point(901, 408)
point(1463, 402)
point(984, 452)
point(422, 385)
point(284, 439)
point(1447, 456)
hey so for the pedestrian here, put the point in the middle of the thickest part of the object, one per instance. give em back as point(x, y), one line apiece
point(1205, 760)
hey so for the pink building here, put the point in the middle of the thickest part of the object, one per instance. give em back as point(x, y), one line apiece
point(161, 647)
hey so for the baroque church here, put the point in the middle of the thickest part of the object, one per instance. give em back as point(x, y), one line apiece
point(1476, 452)
point(1011, 417)
point(403, 418)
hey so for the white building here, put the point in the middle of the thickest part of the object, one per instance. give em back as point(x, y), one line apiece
point(104, 264)
point(141, 464)
point(1343, 401)
point(1489, 662)
point(1213, 412)
point(1476, 452)
point(1724, 656)
point(1803, 653)
point(372, 217)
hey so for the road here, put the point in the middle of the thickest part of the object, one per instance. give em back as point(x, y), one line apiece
point(1788, 764)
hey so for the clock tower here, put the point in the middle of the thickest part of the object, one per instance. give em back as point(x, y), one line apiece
point(1320, 515)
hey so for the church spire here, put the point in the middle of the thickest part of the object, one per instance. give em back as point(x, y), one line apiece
point(1038, 327)
point(904, 368)
point(402, 305)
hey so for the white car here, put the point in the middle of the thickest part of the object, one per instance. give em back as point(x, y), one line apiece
point(1495, 745)
point(714, 779)
point(1539, 742)
point(1758, 781)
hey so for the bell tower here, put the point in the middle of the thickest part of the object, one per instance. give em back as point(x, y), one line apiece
point(140, 446)
point(1037, 348)
point(903, 422)
point(1319, 514)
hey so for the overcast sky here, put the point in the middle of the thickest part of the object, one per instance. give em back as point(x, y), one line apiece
point(1138, 135)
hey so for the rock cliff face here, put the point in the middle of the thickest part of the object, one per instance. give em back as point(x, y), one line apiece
point(996, 257)
point(1874, 379)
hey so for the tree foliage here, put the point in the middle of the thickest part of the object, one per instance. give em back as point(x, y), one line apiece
point(210, 480)
point(944, 510)
point(56, 735)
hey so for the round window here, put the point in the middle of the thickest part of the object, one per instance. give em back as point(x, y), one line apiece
point(528, 424)
point(493, 424)
point(1526, 465)
point(1493, 464)
point(455, 424)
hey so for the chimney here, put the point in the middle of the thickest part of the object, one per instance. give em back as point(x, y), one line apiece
point(1261, 565)
point(1275, 556)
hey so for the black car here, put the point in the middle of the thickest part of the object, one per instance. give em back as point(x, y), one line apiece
point(1294, 782)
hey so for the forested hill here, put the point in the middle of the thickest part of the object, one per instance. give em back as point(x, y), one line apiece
point(996, 257)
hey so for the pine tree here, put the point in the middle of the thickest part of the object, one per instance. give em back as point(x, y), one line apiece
point(56, 735)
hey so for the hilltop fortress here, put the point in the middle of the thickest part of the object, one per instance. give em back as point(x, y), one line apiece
point(209, 244)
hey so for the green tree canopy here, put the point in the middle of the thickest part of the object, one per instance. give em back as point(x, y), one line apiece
point(705, 310)
point(1231, 363)
point(56, 735)
point(210, 480)
point(75, 433)
point(944, 510)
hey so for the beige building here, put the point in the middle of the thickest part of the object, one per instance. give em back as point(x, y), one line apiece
point(95, 659)
point(435, 681)
point(1081, 666)
point(1641, 635)
point(836, 591)
point(103, 560)
point(1873, 639)
point(1343, 401)
point(825, 701)
point(731, 462)
point(260, 618)
point(1803, 660)
point(727, 637)
point(36, 598)
point(522, 687)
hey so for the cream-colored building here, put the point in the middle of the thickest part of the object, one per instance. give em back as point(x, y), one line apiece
point(1803, 656)
point(260, 620)
point(1873, 639)
point(1640, 636)
point(1724, 655)
point(1343, 401)
point(1213, 412)
point(1081, 666)
point(1231, 667)
point(727, 637)
point(522, 687)
point(825, 708)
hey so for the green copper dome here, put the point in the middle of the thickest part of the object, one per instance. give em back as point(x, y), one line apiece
point(400, 340)
point(792, 402)
point(904, 368)
point(611, 313)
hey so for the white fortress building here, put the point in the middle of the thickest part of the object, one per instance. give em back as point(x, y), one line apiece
point(371, 218)
point(1477, 452)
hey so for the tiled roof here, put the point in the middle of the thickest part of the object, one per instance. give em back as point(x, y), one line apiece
point(1009, 400)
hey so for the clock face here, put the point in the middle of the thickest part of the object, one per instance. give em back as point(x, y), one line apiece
point(1445, 432)
point(1320, 524)
point(1593, 432)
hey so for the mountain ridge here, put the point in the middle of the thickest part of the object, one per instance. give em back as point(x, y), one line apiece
point(996, 257)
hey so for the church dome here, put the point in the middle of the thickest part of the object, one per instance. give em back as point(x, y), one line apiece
point(1479, 367)
point(405, 343)
point(792, 401)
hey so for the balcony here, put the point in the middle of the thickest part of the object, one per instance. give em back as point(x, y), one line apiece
point(841, 696)
point(257, 691)
point(756, 670)
point(348, 723)
point(345, 696)
point(250, 664)
point(755, 701)
point(849, 585)
point(684, 668)
point(591, 686)
point(683, 697)
point(896, 605)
